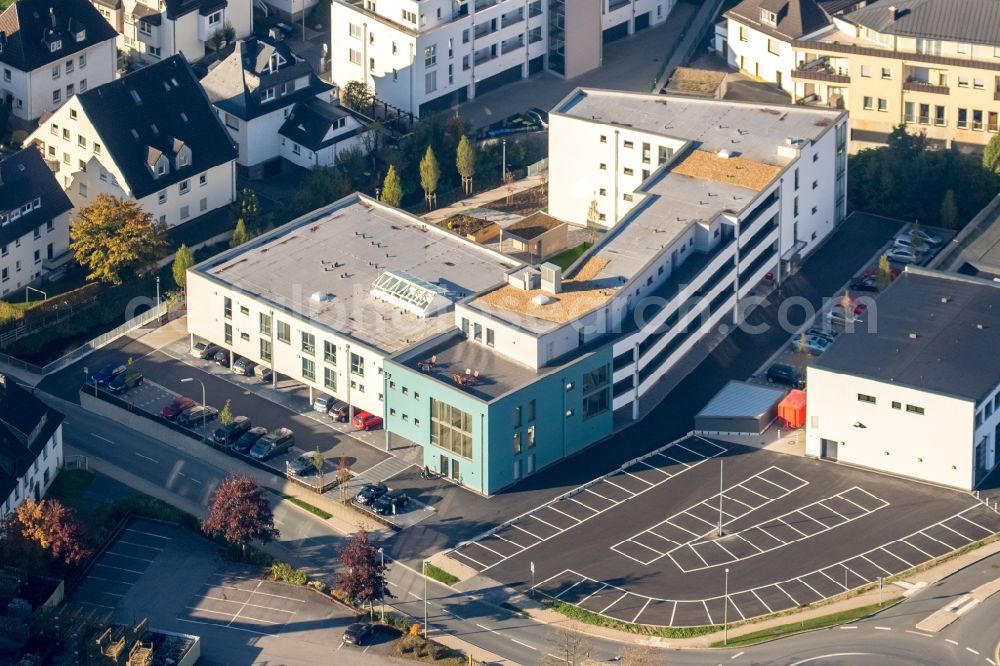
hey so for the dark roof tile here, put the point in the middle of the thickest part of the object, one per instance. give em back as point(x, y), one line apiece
point(24, 177)
point(33, 26)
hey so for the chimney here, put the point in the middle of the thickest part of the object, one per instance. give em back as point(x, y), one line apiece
point(551, 278)
point(893, 13)
point(52, 17)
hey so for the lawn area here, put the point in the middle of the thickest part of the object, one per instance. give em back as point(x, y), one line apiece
point(580, 615)
point(807, 625)
point(71, 483)
point(440, 575)
point(315, 510)
point(566, 258)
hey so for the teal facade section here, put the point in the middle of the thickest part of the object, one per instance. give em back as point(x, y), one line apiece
point(562, 412)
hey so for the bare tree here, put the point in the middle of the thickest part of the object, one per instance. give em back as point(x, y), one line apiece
point(343, 476)
point(569, 648)
point(640, 655)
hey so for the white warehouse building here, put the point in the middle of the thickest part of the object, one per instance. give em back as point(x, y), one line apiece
point(917, 392)
point(426, 55)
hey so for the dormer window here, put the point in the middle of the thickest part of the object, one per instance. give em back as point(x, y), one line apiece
point(55, 45)
point(267, 95)
point(769, 17)
point(182, 159)
point(81, 35)
point(215, 18)
point(161, 169)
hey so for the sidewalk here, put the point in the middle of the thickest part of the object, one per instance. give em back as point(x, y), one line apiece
point(483, 198)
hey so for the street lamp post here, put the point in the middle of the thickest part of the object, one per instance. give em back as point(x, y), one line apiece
point(157, 290)
point(503, 167)
point(725, 613)
point(424, 570)
point(381, 552)
point(721, 463)
point(203, 402)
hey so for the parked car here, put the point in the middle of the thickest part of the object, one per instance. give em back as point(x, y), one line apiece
point(272, 444)
point(122, 383)
point(197, 416)
point(263, 373)
point(357, 633)
point(221, 357)
point(901, 255)
point(828, 333)
point(865, 284)
point(391, 503)
point(370, 492)
point(785, 375)
point(244, 366)
point(176, 407)
point(204, 350)
point(838, 316)
point(540, 116)
point(928, 239)
point(813, 344)
point(248, 439)
point(107, 373)
point(322, 403)
point(301, 465)
point(906, 241)
point(366, 421)
point(227, 434)
point(336, 409)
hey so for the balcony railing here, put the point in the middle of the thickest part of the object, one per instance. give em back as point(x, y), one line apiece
point(924, 86)
point(617, 4)
point(820, 74)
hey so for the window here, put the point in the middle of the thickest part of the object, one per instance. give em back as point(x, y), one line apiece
point(161, 198)
point(308, 369)
point(977, 119)
point(83, 189)
point(451, 429)
point(646, 153)
point(531, 436)
point(773, 46)
point(409, 17)
point(355, 57)
point(913, 409)
point(265, 323)
point(869, 103)
point(330, 378)
point(83, 83)
point(870, 399)
point(769, 17)
point(627, 197)
point(963, 82)
point(883, 104)
point(227, 334)
point(908, 112)
point(866, 71)
point(477, 332)
point(69, 66)
point(329, 352)
point(978, 83)
point(603, 166)
point(664, 154)
point(203, 180)
point(265, 349)
point(490, 337)
point(744, 34)
point(604, 138)
point(357, 365)
point(55, 71)
point(517, 442)
point(896, 405)
point(267, 95)
point(928, 46)
point(628, 172)
point(963, 118)
point(430, 82)
point(886, 73)
point(284, 332)
point(56, 96)
point(185, 212)
point(308, 343)
point(629, 144)
point(595, 386)
point(184, 186)
point(430, 55)
point(83, 60)
point(6, 75)
point(227, 307)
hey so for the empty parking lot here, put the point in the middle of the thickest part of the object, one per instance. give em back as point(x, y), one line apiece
point(643, 544)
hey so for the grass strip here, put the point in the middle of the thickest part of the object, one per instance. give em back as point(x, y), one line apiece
point(315, 510)
point(810, 624)
point(587, 617)
point(440, 575)
point(566, 258)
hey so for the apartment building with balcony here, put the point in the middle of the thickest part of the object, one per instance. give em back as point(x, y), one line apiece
point(153, 30)
point(933, 65)
point(49, 51)
point(426, 55)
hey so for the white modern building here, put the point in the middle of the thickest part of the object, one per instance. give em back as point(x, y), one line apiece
point(426, 55)
point(152, 30)
point(151, 136)
point(325, 298)
point(34, 221)
point(31, 446)
point(51, 50)
point(915, 391)
point(254, 89)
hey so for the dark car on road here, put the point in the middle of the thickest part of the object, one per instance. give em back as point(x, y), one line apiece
point(865, 284)
point(197, 416)
point(785, 375)
point(221, 357)
point(227, 434)
point(107, 373)
point(357, 633)
point(244, 366)
point(122, 382)
point(177, 406)
point(370, 492)
point(273, 443)
point(248, 439)
point(391, 503)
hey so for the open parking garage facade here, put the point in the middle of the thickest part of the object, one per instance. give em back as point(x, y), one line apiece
point(794, 532)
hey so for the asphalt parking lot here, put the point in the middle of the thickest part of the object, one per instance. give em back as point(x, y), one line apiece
point(795, 531)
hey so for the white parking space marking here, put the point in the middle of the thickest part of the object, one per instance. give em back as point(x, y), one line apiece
point(617, 486)
point(149, 534)
point(762, 603)
point(108, 566)
point(648, 483)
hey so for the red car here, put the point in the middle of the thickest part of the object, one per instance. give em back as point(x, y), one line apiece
point(366, 421)
point(174, 409)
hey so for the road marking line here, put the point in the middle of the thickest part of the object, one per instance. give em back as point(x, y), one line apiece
point(942, 524)
point(919, 633)
point(266, 594)
point(828, 508)
point(948, 640)
point(737, 655)
point(561, 530)
point(991, 662)
point(754, 592)
point(643, 462)
point(108, 566)
point(110, 594)
point(565, 514)
point(140, 545)
point(794, 600)
point(729, 552)
point(614, 602)
point(91, 603)
point(823, 573)
point(487, 548)
point(233, 601)
point(603, 586)
point(585, 506)
point(216, 624)
point(636, 618)
point(751, 490)
point(131, 557)
point(924, 534)
point(700, 455)
point(733, 604)
point(733, 499)
point(503, 538)
point(620, 487)
point(588, 490)
point(874, 564)
point(921, 550)
point(683, 529)
point(518, 527)
point(679, 462)
point(672, 611)
point(821, 596)
point(883, 628)
point(886, 550)
point(707, 612)
point(152, 460)
point(972, 651)
point(568, 589)
point(530, 647)
point(152, 534)
point(244, 605)
point(974, 524)
point(103, 439)
point(848, 627)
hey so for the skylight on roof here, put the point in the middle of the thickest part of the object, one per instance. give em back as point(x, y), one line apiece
point(414, 295)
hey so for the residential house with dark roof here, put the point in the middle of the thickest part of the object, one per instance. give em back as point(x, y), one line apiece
point(34, 221)
point(914, 388)
point(316, 132)
point(152, 30)
point(31, 446)
point(255, 88)
point(151, 136)
point(933, 65)
point(51, 50)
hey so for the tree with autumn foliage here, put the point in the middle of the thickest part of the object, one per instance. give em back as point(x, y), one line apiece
point(362, 575)
point(240, 513)
point(112, 235)
point(51, 526)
